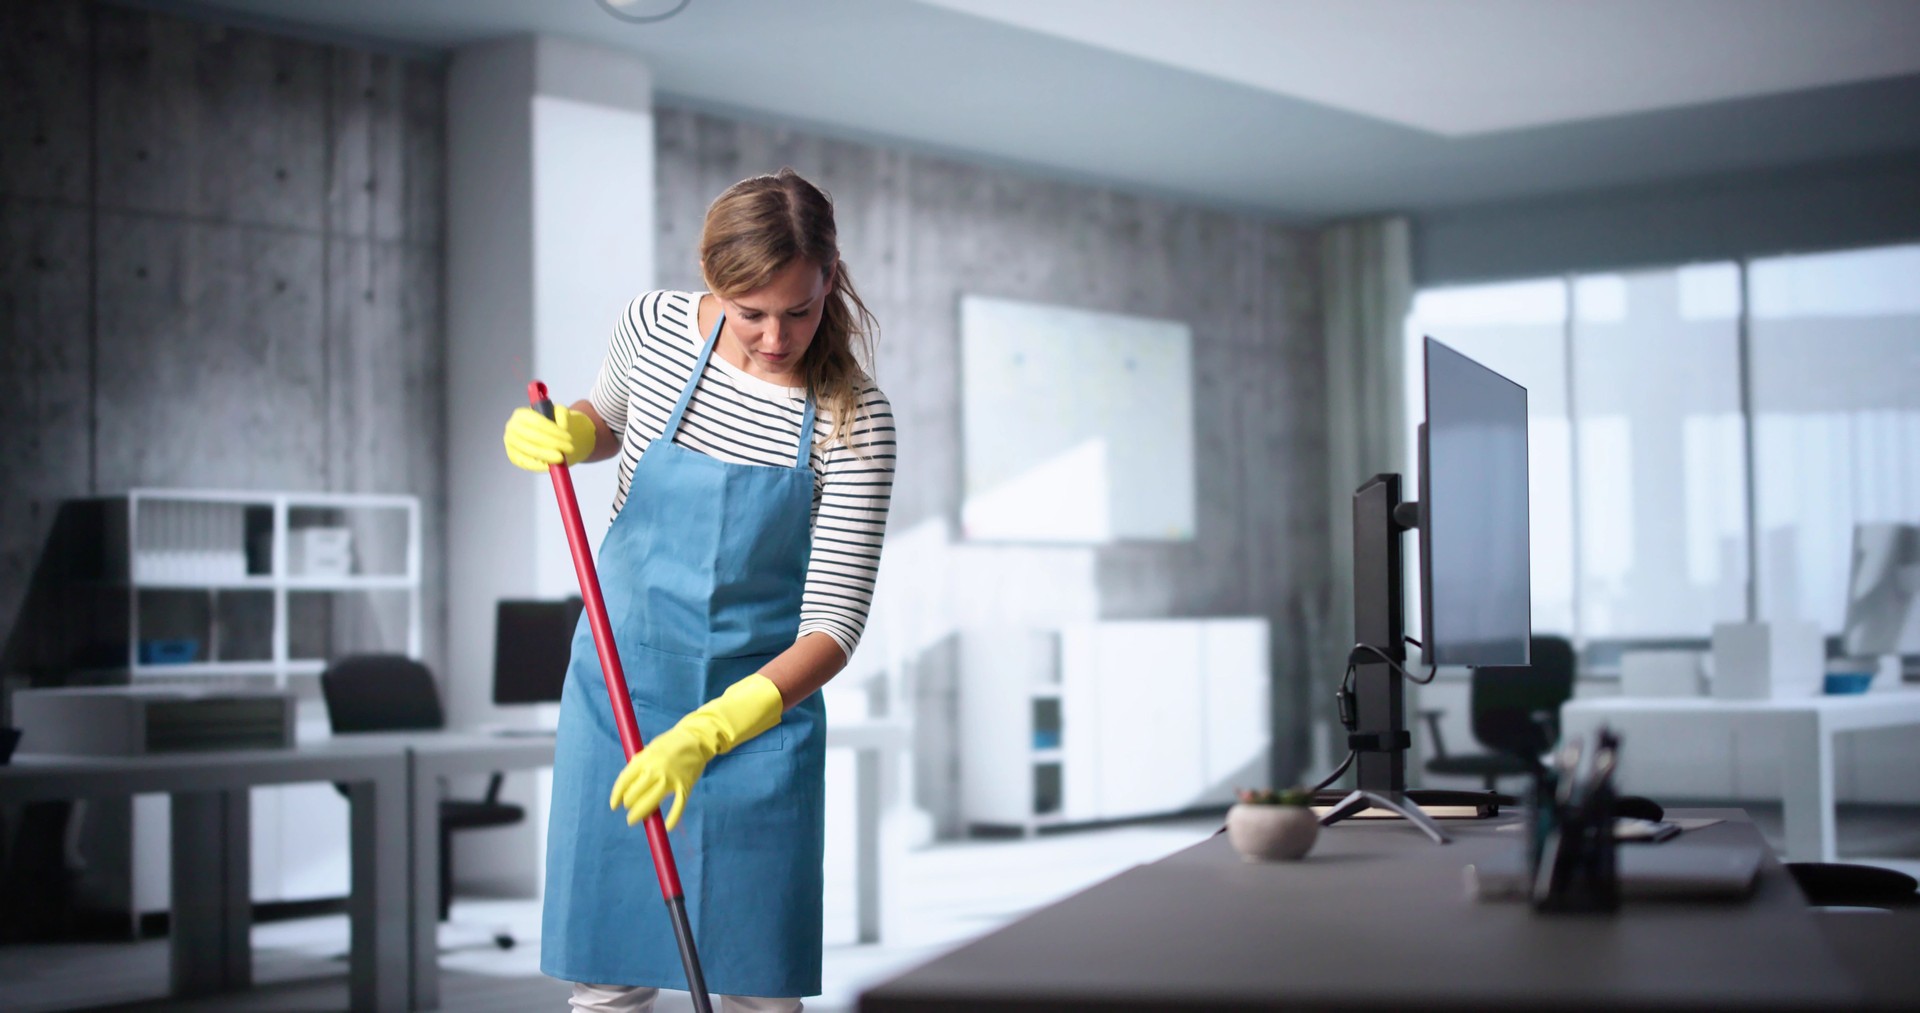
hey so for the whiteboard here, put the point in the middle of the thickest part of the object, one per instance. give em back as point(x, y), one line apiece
point(1076, 426)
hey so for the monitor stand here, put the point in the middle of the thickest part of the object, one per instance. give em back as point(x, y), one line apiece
point(1377, 721)
point(1360, 800)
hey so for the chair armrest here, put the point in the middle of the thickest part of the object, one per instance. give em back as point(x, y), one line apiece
point(493, 788)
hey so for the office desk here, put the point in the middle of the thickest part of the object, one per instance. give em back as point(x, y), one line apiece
point(432, 757)
point(1654, 729)
point(212, 907)
point(1377, 917)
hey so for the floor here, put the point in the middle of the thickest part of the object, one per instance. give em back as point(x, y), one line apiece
point(943, 895)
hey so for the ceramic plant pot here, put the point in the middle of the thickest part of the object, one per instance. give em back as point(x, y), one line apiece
point(1267, 833)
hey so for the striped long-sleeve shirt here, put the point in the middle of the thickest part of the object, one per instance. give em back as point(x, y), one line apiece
point(737, 417)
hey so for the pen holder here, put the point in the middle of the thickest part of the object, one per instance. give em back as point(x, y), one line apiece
point(1575, 864)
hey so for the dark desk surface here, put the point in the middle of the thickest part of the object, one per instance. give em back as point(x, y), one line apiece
point(1379, 918)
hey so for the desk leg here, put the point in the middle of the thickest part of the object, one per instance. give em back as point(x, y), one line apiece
point(1806, 803)
point(379, 955)
point(423, 916)
point(866, 853)
point(212, 901)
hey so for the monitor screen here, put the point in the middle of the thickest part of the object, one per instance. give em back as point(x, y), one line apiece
point(1475, 586)
point(1883, 591)
point(532, 644)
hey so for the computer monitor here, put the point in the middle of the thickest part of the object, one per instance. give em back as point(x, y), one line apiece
point(1883, 591)
point(1476, 589)
point(532, 645)
point(1474, 566)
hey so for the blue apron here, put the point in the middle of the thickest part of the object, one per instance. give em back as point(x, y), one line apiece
point(702, 572)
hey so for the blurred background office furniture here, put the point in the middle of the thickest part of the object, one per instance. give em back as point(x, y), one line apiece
point(1844, 884)
point(1662, 672)
point(1507, 705)
point(1883, 591)
point(138, 720)
point(182, 583)
point(209, 867)
point(532, 646)
point(393, 693)
point(221, 591)
point(1051, 721)
point(1743, 749)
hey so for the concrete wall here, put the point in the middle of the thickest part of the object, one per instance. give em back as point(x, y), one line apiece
point(917, 232)
point(221, 259)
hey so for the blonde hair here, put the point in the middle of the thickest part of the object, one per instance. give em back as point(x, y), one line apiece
point(755, 229)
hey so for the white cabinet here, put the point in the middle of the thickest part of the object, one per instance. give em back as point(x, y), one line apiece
point(1111, 720)
point(249, 589)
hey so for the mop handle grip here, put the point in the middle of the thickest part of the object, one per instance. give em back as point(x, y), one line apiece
point(596, 608)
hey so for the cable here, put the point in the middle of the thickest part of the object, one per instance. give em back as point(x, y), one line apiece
point(1335, 776)
point(1349, 716)
point(1353, 659)
point(613, 7)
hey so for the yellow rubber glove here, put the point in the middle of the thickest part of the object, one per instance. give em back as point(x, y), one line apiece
point(535, 441)
point(678, 756)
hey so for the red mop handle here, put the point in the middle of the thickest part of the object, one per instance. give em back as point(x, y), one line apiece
point(615, 676)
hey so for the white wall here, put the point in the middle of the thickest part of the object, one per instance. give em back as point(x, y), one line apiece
point(550, 233)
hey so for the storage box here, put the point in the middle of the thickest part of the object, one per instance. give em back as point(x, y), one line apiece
point(1758, 661)
point(1660, 673)
point(320, 552)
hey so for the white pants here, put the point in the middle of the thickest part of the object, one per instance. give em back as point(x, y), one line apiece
point(625, 999)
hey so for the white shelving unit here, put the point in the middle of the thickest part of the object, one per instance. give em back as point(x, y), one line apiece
point(175, 554)
point(1111, 720)
point(214, 541)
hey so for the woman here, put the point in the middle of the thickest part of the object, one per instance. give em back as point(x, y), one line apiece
point(756, 464)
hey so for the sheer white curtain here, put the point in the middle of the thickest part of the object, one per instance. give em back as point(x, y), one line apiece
point(1367, 283)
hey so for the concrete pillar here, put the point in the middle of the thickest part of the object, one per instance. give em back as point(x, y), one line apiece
point(550, 233)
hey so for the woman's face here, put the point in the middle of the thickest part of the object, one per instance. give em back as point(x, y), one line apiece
point(769, 329)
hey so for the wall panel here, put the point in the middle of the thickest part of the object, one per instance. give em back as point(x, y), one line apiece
point(203, 121)
point(46, 360)
point(212, 358)
point(46, 67)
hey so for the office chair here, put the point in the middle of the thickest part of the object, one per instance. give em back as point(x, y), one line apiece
point(1507, 705)
point(392, 692)
point(1842, 884)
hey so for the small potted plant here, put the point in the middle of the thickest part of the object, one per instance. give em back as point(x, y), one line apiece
point(1267, 825)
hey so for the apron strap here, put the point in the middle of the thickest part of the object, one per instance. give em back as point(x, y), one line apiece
point(699, 370)
point(802, 458)
point(805, 454)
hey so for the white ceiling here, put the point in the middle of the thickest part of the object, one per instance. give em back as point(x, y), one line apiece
point(1463, 67)
point(1301, 109)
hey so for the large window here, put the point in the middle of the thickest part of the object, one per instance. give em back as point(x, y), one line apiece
point(1835, 342)
point(1661, 478)
point(1647, 403)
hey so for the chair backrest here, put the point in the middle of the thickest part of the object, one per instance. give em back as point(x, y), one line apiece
point(380, 693)
point(1506, 700)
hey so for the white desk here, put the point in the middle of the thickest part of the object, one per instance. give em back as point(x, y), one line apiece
point(212, 902)
point(1804, 728)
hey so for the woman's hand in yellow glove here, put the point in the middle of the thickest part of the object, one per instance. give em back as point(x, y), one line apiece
point(534, 441)
point(674, 760)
